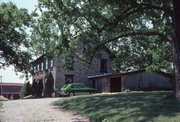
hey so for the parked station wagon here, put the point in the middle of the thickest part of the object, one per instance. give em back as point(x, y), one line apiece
point(76, 89)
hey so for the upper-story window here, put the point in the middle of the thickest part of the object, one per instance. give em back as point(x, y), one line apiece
point(34, 69)
point(46, 64)
point(51, 63)
point(85, 47)
point(37, 67)
point(42, 66)
point(103, 66)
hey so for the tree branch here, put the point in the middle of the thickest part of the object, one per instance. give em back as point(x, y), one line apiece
point(139, 8)
point(127, 35)
point(153, 33)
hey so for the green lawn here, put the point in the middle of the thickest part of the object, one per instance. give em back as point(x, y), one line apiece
point(0, 110)
point(1, 104)
point(129, 107)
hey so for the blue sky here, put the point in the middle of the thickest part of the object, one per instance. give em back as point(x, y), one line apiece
point(28, 4)
point(8, 74)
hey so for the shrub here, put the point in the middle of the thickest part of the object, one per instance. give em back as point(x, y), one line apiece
point(39, 89)
point(26, 90)
point(49, 86)
point(34, 87)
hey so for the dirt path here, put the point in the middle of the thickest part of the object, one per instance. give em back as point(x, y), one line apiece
point(37, 110)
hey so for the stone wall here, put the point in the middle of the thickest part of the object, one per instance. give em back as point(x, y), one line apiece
point(81, 70)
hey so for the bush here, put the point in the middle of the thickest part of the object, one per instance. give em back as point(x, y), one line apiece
point(34, 87)
point(1, 104)
point(26, 90)
point(49, 86)
point(39, 89)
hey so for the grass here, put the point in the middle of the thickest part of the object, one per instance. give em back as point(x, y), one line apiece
point(154, 106)
point(1, 104)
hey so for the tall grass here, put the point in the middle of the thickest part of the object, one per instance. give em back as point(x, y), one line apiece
point(128, 107)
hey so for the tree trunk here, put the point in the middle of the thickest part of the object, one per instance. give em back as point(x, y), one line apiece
point(176, 47)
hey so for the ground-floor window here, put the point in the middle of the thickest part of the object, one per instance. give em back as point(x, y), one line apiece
point(69, 79)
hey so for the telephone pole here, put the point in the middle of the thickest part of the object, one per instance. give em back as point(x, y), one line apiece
point(1, 85)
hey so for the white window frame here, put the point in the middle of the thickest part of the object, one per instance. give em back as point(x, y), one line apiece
point(51, 63)
point(38, 67)
point(46, 64)
point(34, 68)
point(42, 66)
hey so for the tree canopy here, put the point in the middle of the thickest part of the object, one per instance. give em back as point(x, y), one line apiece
point(13, 37)
point(136, 30)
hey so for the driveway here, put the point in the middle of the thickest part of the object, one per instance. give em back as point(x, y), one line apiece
point(37, 110)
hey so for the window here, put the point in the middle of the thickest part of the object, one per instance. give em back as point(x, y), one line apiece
point(34, 69)
point(69, 79)
point(85, 48)
point(37, 67)
point(42, 66)
point(46, 64)
point(51, 63)
point(103, 65)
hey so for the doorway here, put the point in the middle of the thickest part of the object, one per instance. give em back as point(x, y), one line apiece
point(115, 84)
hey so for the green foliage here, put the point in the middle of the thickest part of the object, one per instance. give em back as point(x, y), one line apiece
point(34, 88)
point(13, 38)
point(125, 107)
point(1, 104)
point(49, 86)
point(136, 31)
point(39, 88)
point(142, 53)
point(26, 90)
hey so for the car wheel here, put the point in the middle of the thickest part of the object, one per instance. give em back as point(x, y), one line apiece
point(71, 94)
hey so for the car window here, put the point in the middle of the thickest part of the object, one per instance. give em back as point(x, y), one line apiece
point(82, 86)
point(65, 86)
point(78, 86)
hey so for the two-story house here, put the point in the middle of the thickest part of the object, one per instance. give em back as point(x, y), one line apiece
point(78, 70)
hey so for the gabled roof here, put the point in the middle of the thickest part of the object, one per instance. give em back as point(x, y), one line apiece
point(111, 55)
point(38, 60)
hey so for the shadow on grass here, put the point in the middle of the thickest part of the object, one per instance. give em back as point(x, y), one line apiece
point(138, 106)
point(1, 104)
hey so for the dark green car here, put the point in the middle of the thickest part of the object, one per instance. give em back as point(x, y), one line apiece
point(76, 89)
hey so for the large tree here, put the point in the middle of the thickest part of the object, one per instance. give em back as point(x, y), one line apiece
point(176, 46)
point(13, 38)
point(98, 23)
point(111, 22)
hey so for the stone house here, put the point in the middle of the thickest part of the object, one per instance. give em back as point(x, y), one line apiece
point(78, 70)
point(136, 80)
